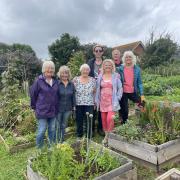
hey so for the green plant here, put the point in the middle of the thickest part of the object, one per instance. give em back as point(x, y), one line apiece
point(75, 63)
point(160, 122)
point(129, 130)
point(65, 162)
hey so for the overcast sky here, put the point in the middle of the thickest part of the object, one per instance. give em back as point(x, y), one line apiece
point(109, 22)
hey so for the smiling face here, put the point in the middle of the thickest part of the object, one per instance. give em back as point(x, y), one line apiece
point(49, 72)
point(107, 67)
point(98, 52)
point(85, 72)
point(64, 76)
point(128, 60)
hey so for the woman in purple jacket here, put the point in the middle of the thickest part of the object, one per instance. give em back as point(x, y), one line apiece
point(44, 101)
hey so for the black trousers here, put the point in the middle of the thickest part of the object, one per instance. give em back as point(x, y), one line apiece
point(97, 116)
point(81, 119)
point(124, 104)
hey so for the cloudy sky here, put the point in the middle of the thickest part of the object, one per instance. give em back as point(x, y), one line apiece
point(109, 22)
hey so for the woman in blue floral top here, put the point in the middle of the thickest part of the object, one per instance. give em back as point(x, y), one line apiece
point(85, 91)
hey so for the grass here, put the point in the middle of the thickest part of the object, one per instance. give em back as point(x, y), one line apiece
point(13, 166)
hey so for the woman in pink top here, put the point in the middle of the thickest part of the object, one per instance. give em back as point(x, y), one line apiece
point(132, 84)
point(108, 94)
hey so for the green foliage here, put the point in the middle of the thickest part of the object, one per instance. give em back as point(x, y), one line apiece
point(145, 173)
point(159, 51)
point(62, 49)
point(75, 62)
point(10, 84)
point(23, 59)
point(129, 130)
point(170, 69)
point(160, 122)
point(157, 85)
point(64, 162)
point(13, 166)
point(157, 123)
point(17, 113)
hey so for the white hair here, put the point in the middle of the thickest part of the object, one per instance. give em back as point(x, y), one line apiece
point(47, 64)
point(129, 53)
point(112, 63)
point(64, 69)
point(84, 66)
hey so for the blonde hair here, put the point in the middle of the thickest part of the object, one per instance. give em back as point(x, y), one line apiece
point(64, 69)
point(112, 63)
point(84, 66)
point(46, 64)
point(129, 53)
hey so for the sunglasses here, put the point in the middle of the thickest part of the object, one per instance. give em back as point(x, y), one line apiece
point(99, 51)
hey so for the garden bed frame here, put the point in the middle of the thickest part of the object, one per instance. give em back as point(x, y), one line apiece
point(156, 155)
point(19, 147)
point(126, 171)
point(16, 148)
point(172, 174)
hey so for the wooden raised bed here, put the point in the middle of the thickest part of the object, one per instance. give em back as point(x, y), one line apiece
point(126, 171)
point(17, 148)
point(154, 154)
point(172, 174)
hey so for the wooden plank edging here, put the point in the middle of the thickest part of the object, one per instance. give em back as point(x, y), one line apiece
point(155, 154)
point(125, 168)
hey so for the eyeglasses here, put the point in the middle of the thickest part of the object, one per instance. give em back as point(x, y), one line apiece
point(98, 51)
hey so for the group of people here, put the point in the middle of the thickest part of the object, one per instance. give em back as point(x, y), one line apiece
point(102, 89)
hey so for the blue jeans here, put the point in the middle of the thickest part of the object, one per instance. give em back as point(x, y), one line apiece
point(61, 125)
point(43, 124)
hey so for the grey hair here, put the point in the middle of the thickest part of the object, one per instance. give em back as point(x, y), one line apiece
point(116, 50)
point(84, 66)
point(64, 69)
point(46, 64)
point(112, 63)
point(129, 53)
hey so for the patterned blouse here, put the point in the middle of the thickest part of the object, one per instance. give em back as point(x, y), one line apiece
point(84, 92)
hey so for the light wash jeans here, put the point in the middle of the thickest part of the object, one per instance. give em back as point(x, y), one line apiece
point(43, 124)
point(61, 125)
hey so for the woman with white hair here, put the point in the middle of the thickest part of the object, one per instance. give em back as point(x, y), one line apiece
point(132, 84)
point(66, 101)
point(85, 89)
point(108, 95)
point(44, 100)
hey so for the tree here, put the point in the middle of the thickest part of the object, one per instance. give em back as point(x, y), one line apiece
point(22, 58)
point(159, 51)
point(75, 63)
point(62, 49)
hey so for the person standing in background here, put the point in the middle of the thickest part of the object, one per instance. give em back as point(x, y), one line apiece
point(116, 56)
point(95, 69)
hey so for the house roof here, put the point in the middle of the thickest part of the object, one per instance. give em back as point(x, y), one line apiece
point(131, 46)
